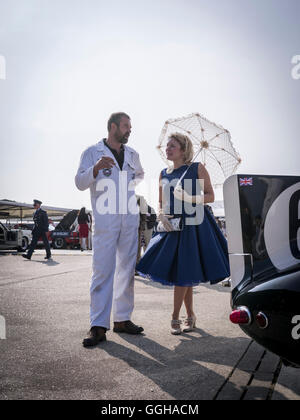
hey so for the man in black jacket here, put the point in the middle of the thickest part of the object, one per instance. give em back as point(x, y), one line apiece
point(41, 226)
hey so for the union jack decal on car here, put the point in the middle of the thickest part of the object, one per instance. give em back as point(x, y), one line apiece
point(246, 181)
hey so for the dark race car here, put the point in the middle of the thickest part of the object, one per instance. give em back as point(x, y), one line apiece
point(263, 229)
point(63, 235)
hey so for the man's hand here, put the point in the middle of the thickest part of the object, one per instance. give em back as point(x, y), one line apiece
point(104, 163)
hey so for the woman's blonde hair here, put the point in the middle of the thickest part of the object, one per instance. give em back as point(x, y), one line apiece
point(186, 146)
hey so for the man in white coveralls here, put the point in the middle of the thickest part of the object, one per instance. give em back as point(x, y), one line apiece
point(111, 170)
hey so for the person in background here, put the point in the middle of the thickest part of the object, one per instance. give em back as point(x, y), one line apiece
point(83, 220)
point(147, 223)
point(150, 223)
point(89, 245)
point(142, 225)
point(221, 224)
point(41, 226)
point(224, 228)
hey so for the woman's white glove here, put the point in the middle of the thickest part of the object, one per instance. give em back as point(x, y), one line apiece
point(164, 219)
point(182, 195)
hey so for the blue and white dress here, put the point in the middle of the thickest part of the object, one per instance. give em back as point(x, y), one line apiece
point(197, 254)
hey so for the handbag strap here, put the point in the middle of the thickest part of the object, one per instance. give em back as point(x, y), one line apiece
point(184, 174)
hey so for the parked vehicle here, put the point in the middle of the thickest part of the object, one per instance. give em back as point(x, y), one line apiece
point(26, 230)
point(10, 238)
point(64, 233)
point(263, 229)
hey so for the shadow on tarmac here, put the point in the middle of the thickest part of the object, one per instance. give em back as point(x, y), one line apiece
point(46, 262)
point(4, 253)
point(185, 377)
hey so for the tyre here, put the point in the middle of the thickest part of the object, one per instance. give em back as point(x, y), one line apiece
point(59, 243)
point(24, 245)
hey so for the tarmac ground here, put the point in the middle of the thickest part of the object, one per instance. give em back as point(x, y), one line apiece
point(44, 315)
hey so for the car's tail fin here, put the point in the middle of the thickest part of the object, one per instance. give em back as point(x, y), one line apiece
point(67, 221)
point(263, 226)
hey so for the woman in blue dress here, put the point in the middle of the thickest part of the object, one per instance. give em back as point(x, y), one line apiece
point(196, 254)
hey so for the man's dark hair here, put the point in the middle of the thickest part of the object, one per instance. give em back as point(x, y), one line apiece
point(82, 216)
point(116, 118)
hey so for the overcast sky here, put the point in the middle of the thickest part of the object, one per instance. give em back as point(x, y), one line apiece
point(71, 63)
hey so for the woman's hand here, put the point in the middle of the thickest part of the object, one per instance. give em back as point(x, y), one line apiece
point(182, 195)
point(179, 193)
point(164, 219)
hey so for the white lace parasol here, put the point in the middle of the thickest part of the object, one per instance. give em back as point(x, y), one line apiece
point(212, 145)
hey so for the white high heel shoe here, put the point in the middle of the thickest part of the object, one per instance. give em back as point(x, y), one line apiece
point(189, 324)
point(175, 327)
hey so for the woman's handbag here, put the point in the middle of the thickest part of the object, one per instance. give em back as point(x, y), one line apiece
point(176, 222)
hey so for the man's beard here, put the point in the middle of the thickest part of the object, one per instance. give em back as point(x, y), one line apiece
point(121, 138)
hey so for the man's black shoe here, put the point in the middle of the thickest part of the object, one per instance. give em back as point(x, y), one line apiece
point(26, 256)
point(127, 327)
point(48, 257)
point(95, 336)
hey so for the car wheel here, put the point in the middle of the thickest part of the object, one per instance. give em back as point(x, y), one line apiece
point(24, 245)
point(58, 243)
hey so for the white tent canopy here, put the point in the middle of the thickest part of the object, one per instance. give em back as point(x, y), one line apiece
point(15, 210)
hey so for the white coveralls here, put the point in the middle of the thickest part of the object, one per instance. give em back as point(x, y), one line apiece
point(115, 234)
